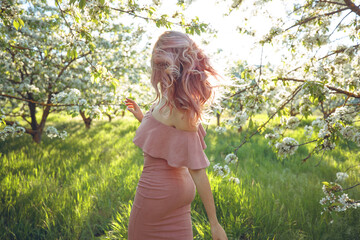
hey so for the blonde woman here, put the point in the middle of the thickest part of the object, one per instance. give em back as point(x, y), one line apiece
point(172, 139)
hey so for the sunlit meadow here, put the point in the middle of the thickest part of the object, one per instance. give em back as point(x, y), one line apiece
point(83, 187)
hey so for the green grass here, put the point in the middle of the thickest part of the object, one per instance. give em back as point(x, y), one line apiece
point(83, 187)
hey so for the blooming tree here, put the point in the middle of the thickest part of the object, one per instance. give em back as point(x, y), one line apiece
point(73, 56)
point(319, 75)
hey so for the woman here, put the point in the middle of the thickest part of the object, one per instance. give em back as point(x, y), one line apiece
point(172, 140)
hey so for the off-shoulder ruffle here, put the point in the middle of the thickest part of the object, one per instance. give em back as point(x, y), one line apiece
point(179, 148)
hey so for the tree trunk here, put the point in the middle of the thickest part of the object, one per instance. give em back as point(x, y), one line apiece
point(37, 129)
point(109, 116)
point(87, 120)
point(218, 119)
point(36, 135)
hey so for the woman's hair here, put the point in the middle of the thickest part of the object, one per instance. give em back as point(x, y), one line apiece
point(182, 70)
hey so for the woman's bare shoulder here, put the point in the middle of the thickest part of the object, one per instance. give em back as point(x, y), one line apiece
point(180, 120)
point(177, 118)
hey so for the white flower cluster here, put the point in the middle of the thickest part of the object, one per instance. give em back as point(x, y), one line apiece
point(220, 130)
point(70, 97)
point(287, 147)
point(234, 180)
point(357, 138)
point(311, 40)
point(344, 114)
point(348, 132)
point(240, 118)
point(272, 137)
point(109, 97)
point(324, 132)
point(12, 131)
point(222, 171)
point(231, 158)
point(292, 122)
point(95, 112)
point(52, 132)
point(274, 31)
point(341, 176)
point(308, 131)
point(252, 105)
point(319, 123)
point(328, 144)
point(271, 111)
point(305, 108)
point(82, 102)
point(334, 200)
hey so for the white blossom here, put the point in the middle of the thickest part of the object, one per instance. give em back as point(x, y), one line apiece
point(95, 112)
point(222, 171)
point(82, 102)
point(348, 132)
point(328, 144)
point(319, 123)
point(109, 97)
point(231, 158)
point(343, 114)
point(287, 147)
point(241, 118)
point(13, 131)
point(356, 138)
point(52, 132)
point(341, 176)
point(234, 180)
point(220, 130)
point(292, 122)
point(308, 131)
point(324, 132)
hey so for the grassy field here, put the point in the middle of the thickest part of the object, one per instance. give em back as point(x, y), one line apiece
point(83, 187)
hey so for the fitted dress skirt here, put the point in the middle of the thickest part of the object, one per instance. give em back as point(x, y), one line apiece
point(161, 208)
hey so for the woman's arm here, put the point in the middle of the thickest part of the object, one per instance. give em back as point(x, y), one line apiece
point(201, 181)
point(134, 109)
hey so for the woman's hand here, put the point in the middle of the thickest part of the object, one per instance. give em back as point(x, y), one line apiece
point(218, 232)
point(134, 109)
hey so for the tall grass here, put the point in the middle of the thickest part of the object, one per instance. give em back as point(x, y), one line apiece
point(83, 187)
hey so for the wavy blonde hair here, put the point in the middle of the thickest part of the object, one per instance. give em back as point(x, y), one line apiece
point(182, 70)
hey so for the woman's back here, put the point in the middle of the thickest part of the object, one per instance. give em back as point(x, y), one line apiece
point(176, 119)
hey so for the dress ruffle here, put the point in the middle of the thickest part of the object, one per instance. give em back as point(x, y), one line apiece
point(178, 147)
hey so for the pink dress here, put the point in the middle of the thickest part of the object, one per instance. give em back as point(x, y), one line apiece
point(161, 208)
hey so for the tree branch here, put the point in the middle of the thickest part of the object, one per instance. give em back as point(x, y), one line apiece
point(339, 90)
point(70, 62)
point(351, 187)
point(352, 6)
point(337, 3)
point(36, 102)
point(246, 139)
point(301, 22)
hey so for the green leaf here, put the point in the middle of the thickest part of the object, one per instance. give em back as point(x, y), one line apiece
point(16, 24)
point(197, 31)
point(326, 183)
point(92, 46)
point(68, 54)
point(21, 22)
point(82, 4)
